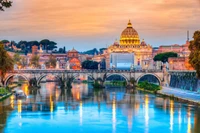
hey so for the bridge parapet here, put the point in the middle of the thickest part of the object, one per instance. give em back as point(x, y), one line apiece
point(82, 71)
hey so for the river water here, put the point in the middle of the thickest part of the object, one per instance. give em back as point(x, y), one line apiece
point(86, 110)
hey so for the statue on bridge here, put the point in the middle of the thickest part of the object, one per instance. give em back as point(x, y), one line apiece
point(57, 64)
point(99, 66)
point(43, 66)
point(67, 65)
point(165, 75)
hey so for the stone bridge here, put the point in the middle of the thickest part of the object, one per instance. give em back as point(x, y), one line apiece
point(94, 74)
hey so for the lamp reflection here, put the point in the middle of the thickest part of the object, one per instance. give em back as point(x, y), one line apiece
point(114, 114)
point(189, 122)
point(81, 112)
point(51, 103)
point(171, 114)
point(179, 117)
point(19, 106)
point(12, 101)
point(146, 113)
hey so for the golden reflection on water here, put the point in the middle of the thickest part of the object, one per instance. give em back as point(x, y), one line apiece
point(81, 112)
point(12, 101)
point(25, 89)
point(171, 115)
point(146, 113)
point(189, 121)
point(19, 106)
point(114, 114)
point(179, 118)
point(51, 103)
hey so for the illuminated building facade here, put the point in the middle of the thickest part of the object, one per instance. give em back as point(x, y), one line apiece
point(130, 51)
point(73, 56)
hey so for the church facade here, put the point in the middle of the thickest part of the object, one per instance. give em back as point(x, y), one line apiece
point(129, 52)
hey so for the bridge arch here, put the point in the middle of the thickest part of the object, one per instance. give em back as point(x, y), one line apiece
point(11, 75)
point(153, 77)
point(85, 74)
point(118, 75)
point(42, 76)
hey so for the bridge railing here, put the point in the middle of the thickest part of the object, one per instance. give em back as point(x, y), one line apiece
point(81, 71)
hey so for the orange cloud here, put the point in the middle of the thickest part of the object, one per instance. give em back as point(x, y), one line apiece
point(89, 18)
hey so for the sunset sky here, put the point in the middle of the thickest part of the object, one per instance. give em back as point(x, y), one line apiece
point(86, 24)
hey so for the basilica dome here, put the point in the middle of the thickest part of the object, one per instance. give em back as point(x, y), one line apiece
point(129, 36)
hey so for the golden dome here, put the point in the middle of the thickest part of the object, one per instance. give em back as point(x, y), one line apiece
point(129, 36)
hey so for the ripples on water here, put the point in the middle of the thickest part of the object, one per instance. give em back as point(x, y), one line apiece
point(53, 110)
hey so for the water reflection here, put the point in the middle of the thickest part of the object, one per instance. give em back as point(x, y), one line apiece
point(171, 115)
point(146, 113)
point(108, 110)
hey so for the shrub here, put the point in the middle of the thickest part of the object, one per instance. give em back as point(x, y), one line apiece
point(148, 86)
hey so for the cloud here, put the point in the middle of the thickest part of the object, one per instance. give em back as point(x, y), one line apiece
point(89, 19)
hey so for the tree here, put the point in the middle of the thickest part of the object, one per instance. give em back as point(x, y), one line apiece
point(35, 61)
point(17, 58)
point(64, 50)
point(88, 64)
point(51, 62)
point(194, 58)
point(5, 4)
point(60, 50)
point(6, 62)
point(5, 41)
point(164, 56)
point(24, 61)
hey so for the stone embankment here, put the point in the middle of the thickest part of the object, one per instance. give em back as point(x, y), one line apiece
point(181, 95)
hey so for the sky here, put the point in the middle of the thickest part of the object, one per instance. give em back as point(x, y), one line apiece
point(87, 24)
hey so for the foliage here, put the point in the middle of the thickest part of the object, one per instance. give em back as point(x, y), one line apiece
point(26, 46)
point(51, 62)
point(164, 56)
point(88, 64)
point(62, 50)
point(5, 41)
point(35, 61)
point(194, 58)
point(24, 61)
point(6, 62)
point(48, 45)
point(5, 4)
point(148, 86)
point(17, 58)
point(101, 50)
point(91, 52)
point(3, 91)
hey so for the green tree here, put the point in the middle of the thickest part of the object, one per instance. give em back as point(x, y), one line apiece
point(48, 45)
point(17, 58)
point(24, 61)
point(88, 64)
point(6, 62)
point(164, 56)
point(5, 41)
point(5, 4)
point(194, 58)
point(35, 61)
point(51, 62)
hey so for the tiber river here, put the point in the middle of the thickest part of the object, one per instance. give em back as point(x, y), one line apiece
point(87, 110)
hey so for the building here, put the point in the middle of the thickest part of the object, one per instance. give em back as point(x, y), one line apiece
point(34, 50)
point(181, 50)
point(73, 58)
point(129, 51)
point(179, 63)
